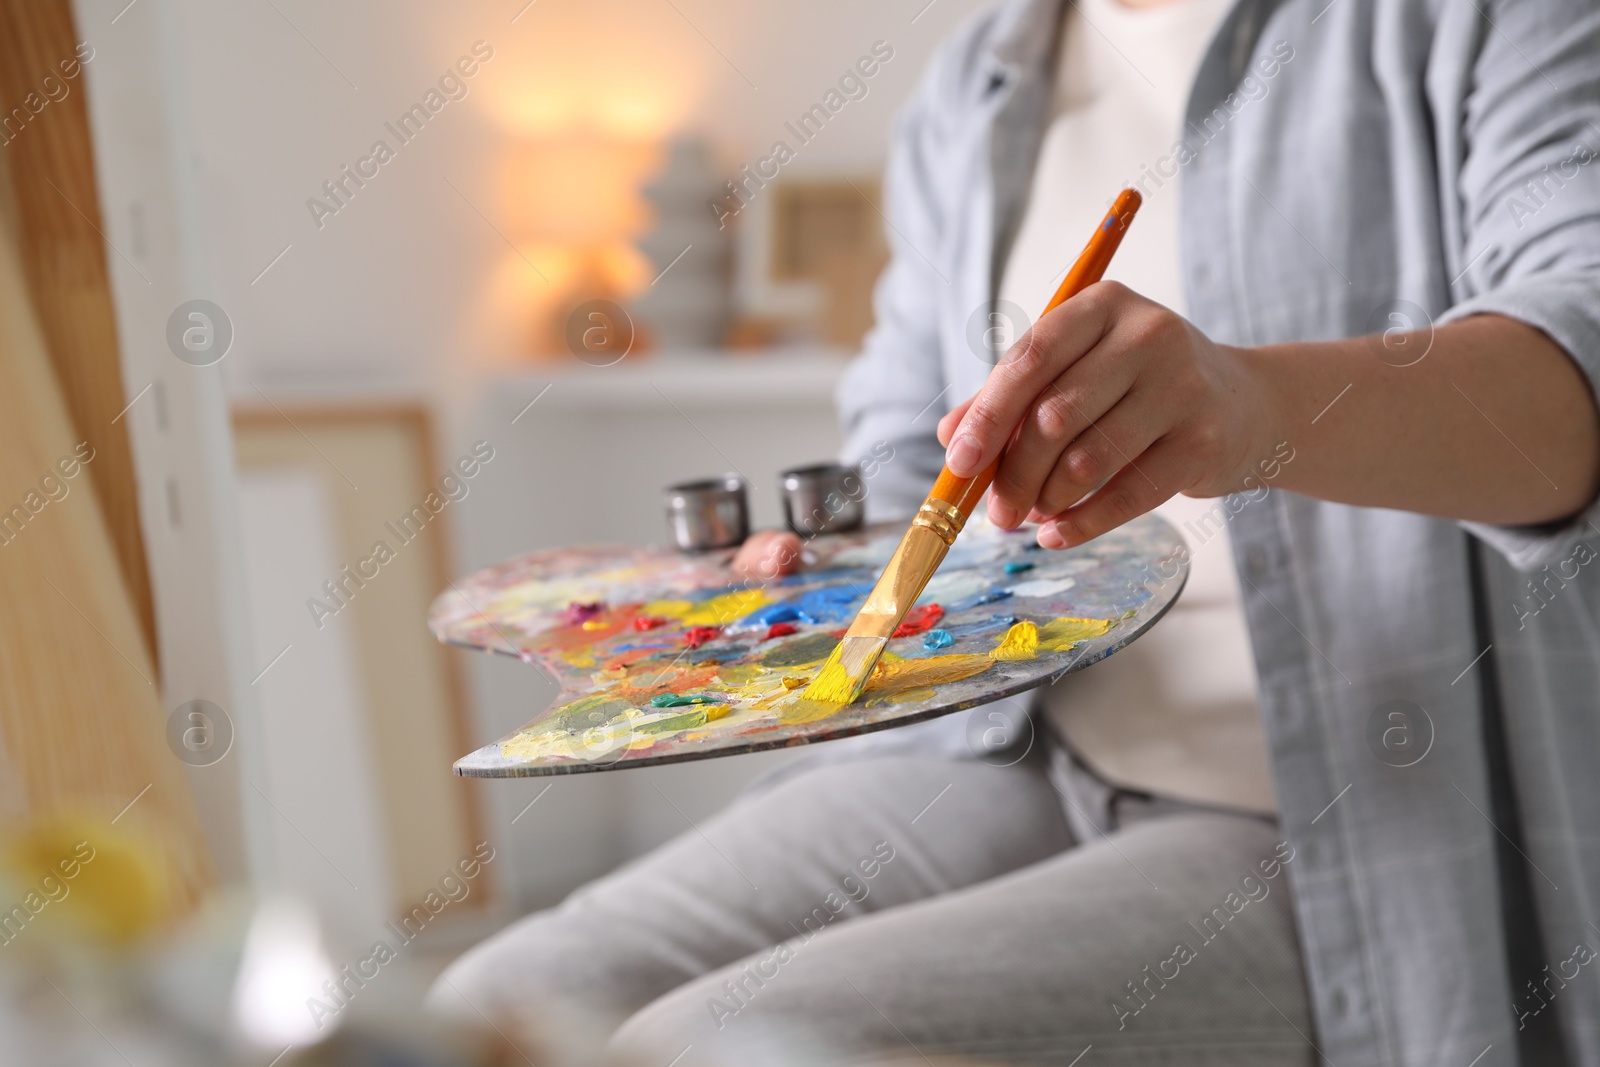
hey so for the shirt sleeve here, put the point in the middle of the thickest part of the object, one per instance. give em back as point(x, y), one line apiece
point(892, 396)
point(1529, 195)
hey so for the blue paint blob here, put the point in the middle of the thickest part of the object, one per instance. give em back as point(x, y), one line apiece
point(934, 640)
point(771, 615)
point(1018, 566)
point(642, 646)
point(831, 603)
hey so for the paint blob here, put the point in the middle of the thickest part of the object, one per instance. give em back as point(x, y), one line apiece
point(577, 612)
point(918, 619)
point(1043, 587)
point(1020, 642)
point(699, 635)
point(676, 700)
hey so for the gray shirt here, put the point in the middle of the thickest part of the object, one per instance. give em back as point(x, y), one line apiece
point(1431, 689)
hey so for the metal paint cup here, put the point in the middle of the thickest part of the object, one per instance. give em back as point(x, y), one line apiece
point(713, 513)
point(824, 499)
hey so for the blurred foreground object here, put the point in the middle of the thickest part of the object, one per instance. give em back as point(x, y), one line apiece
point(81, 725)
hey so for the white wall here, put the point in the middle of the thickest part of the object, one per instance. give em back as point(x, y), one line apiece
point(407, 280)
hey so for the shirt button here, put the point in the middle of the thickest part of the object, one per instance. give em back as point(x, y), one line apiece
point(1255, 561)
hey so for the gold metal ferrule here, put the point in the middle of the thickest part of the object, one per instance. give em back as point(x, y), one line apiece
point(943, 518)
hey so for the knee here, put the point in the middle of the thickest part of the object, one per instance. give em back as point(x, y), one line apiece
point(701, 1014)
point(762, 998)
point(476, 984)
point(671, 1022)
point(536, 960)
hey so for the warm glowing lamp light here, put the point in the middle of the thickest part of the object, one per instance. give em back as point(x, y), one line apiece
point(573, 202)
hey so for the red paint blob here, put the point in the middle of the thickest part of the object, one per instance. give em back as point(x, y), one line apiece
point(699, 635)
point(920, 619)
point(781, 629)
point(649, 622)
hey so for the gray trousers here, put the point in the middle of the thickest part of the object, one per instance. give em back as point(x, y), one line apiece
point(918, 907)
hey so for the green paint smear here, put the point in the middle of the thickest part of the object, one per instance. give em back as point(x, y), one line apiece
point(672, 723)
point(812, 648)
point(674, 700)
point(586, 713)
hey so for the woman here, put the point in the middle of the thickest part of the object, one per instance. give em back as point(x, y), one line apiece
point(1408, 636)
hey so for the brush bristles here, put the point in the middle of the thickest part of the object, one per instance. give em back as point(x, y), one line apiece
point(833, 684)
point(847, 669)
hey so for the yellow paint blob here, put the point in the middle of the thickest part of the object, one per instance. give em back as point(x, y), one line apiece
point(803, 710)
point(900, 675)
point(742, 674)
point(1058, 635)
point(1021, 642)
point(582, 656)
point(718, 611)
point(1026, 639)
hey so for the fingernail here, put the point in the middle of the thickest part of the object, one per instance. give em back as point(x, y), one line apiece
point(1002, 515)
point(1050, 536)
point(962, 459)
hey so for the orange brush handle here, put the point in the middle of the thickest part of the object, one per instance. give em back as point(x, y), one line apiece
point(963, 493)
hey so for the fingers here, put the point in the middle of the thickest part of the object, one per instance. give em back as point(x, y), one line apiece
point(1151, 480)
point(1106, 447)
point(1054, 430)
point(1049, 347)
point(767, 554)
point(952, 419)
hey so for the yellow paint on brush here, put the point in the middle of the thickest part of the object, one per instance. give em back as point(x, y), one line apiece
point(833, 684)
point(1021, 642)
point(891, 680)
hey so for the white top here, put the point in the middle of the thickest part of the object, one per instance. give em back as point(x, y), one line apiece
point(1175, 713)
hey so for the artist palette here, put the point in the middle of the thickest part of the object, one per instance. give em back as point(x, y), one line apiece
point(664, 657)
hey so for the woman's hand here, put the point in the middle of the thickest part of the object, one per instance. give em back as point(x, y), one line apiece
point(767, 554)
point(1116, 399)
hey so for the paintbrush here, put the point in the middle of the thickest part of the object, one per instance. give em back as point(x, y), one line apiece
point(945, 512)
